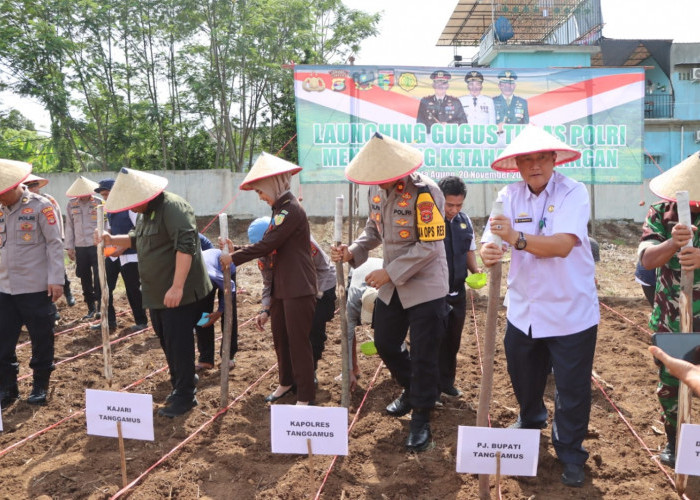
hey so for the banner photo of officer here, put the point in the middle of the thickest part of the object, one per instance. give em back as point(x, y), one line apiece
point(462, 118)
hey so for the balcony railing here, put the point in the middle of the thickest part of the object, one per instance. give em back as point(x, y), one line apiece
point(658, 105)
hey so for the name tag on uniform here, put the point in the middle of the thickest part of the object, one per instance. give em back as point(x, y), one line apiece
point(523, 219)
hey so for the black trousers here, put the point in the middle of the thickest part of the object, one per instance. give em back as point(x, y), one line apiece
point(530, 361)
point(205, 335)
point(132, 284)
point(174, 328)
point(325, 308)
point(449, 347)
point(35, 311)
point(417, 372)
point(86, 268)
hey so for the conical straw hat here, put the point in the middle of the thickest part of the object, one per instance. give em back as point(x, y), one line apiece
point(81, 187)
point(265, 166)
point(683, 177)
point(35, 178)
point(533, 139)
point(383, 159)
point(133, 188)
point(12, 173)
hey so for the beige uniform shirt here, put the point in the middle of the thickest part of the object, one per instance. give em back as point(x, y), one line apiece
point(81, 222)
point(31, 252)
point(418, 269)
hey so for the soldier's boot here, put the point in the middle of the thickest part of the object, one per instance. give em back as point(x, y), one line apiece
point(68, 294)
point(40, 387)
point(9, 392)
point(668, 454)
point(91, 311)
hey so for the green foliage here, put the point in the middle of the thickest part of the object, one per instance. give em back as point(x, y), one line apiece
point(171, 84)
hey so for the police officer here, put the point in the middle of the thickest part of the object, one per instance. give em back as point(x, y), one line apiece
point(34, 183)
point(406, 217)
point(460, 249)
point(81, 222)
point(478, 108)
point(31, 278)
point(440, 107)
point(509, 108)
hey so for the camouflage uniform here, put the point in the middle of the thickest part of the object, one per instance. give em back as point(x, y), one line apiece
point(665, 315)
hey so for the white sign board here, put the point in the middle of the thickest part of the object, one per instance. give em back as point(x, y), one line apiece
point(477, 448)
point(292, 425)
point(688, 454)
point(103, 409)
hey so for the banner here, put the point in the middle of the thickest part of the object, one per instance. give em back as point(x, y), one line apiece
point(462, 118)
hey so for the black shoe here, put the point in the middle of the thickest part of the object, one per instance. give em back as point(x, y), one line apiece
point(271, 398)
point(573, 475)
point(70, 300)
point(139, 327)
point(452, 391)
point(90, 315)
point(8, 396)
point(37, 397)
point(519, 425)
point(400, 406)
point(419, 437)
point(171, 397)
point(668, 455)
point(178, 407)
point(98, 326)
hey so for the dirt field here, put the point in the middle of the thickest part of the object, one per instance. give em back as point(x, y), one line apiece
point(46, 453)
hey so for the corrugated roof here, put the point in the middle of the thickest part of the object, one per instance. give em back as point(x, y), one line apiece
point(533, 21)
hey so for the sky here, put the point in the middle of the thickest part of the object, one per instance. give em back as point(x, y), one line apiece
point(409, 30)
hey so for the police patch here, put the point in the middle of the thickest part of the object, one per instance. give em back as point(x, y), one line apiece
point(523, 219)
point(26, 226)
point(27, 210)
point(50, 215)
point(27, 237)
point(404, 233)
point(402, 203)
point(376, 198)
point(401, 222)
point(400, 186)
point(279, 218)
point(406, 196)
point(426, 211)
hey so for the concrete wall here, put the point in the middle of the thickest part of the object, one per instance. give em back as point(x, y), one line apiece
point(209, 191)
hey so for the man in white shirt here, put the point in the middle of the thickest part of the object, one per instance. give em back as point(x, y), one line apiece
point(478, 107)
point(553, 311)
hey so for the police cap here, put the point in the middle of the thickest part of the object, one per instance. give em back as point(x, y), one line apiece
point(473, 76)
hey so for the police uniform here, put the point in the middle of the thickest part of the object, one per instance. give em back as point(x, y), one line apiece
point(415, 295)
point(31, 258)
point(459, 239)
point(286, 243)
point(513, 111)
point(479, 109)
point(81, 222)
point(447, 109)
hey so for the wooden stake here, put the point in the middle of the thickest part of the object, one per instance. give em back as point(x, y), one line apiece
point(104, 316)
point(312, 478)
point(122, 454)
point(498, 474)
point(341, 294)
point(228, 318)
point(485, 392)
point(685, 402)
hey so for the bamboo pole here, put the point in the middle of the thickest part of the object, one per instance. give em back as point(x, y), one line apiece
point(228, 317)
point(685, 402)
point(341, 294)
point(122, 454)
point(104, 302)
point(485, 392)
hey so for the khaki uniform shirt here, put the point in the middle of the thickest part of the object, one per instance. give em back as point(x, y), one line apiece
point(168, 226)
point(418, 269)
point(81, 222)
point(31, 253)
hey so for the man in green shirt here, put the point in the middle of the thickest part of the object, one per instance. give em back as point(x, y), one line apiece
point(173, 276)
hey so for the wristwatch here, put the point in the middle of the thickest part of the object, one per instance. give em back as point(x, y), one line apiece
point(521, 242)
